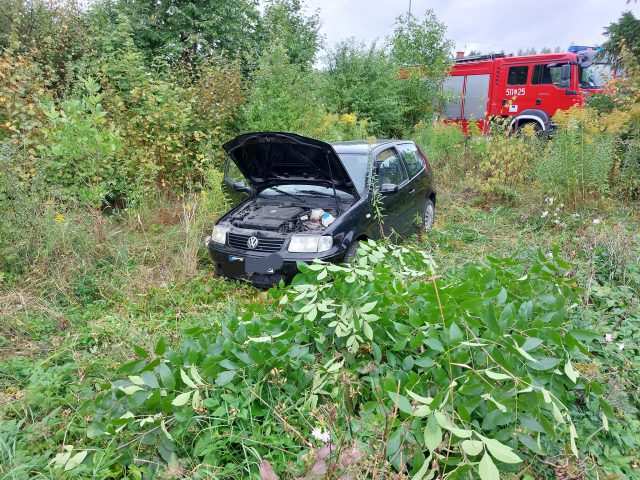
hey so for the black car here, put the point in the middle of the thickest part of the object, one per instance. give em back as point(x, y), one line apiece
point(310, 199)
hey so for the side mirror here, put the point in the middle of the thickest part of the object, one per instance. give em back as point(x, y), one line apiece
point(239, 186)
point(388, 188)
point(565, 75)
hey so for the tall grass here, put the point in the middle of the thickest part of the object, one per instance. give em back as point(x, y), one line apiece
point(579, 160)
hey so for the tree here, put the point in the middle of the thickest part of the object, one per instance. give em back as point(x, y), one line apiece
point(392, 86)
point(183, 30)
point(422, 43)
point(623, 34)
point(364, 79)
point(52, 32)
point(286, 21)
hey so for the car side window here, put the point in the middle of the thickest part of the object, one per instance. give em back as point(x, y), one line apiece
point(412, 158)
point(233, 172)
point(390, 168)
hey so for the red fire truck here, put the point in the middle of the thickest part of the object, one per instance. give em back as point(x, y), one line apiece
point(520, 90)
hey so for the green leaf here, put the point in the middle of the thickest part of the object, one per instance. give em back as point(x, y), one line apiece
point(573, 434)
point(195, 375)
point(225, 377)
point(432, 434)
point(497, 376)
point(487, 469)
point(136, 380)
point(421, 474)
point(130, 390)
point(455, 334)
point(368, 332)
point(181, 399)
point(404, 405)
point(471, 447)
point(570, 372)
point(161, 346)
point(367, 307)
point(187, 381)
point(444, 422)
point(195, 401)
point(76, 460)
point(166, 376)
point(420, 398)
point(163, 426)
point(500, 451)
point(605, 421)
point(556, 413)
point(149, 378)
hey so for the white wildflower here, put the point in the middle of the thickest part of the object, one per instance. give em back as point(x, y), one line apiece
point(608, 338)
point(621, 346)
point(596, 221)
point(318, 434)
point(544, 214)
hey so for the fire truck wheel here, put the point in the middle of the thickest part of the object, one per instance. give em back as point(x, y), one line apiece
point(537, 128)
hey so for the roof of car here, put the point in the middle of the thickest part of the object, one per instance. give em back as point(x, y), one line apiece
point(360, 146)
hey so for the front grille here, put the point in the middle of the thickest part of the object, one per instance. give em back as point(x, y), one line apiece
point(265, 244)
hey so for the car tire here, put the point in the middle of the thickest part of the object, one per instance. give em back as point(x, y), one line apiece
point(429, 215)
point(352, 252)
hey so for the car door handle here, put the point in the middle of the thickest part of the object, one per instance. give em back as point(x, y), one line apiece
point(413, 190)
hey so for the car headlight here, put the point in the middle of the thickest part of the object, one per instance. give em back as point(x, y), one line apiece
point(310, 243)
point(219, 234)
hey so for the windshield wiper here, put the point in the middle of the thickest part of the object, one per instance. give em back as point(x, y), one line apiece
point(319, 194)
point(276, 189)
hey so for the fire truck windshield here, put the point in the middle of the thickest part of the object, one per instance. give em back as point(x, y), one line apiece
point(595, 75)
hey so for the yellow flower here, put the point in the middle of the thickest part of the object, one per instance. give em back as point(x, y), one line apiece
point(59, 217)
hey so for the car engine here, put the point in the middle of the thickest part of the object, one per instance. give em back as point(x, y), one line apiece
point(283, 218)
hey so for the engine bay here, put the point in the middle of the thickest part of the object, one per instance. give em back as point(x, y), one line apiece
point(283, 218)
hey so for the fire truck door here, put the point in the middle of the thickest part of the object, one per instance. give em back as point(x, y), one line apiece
point(516, 95)
point(548, 89)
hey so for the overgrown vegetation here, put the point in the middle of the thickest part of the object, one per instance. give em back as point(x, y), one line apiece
point(501, 344)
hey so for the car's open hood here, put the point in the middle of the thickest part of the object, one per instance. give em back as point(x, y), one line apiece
point(268, 159)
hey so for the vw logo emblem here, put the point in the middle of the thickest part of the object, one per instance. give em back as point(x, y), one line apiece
point(252, 243)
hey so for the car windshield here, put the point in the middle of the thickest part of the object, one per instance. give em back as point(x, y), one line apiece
point(357, 165)
point(299, 191)
point(595, 76)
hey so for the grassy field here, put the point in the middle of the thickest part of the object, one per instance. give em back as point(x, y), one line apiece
point(64, 337)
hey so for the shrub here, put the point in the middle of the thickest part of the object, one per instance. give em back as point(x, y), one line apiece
point(444, 144)
point(504, 160)
point(405, 370)
point(81, 149)
point(283, 97)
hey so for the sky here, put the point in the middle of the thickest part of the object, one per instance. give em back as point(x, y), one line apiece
point(484, 25)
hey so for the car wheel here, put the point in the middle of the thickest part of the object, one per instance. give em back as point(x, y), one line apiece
point(352, 252)
point(429, 215)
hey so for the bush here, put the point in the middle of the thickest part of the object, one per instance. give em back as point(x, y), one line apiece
point(283, 97)
point(403, 369)
point(81, 149)
point(443, 143)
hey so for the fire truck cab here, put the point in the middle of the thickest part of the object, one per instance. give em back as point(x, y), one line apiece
point(520, 90)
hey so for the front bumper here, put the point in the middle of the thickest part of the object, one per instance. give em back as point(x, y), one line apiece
point(264, 269)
